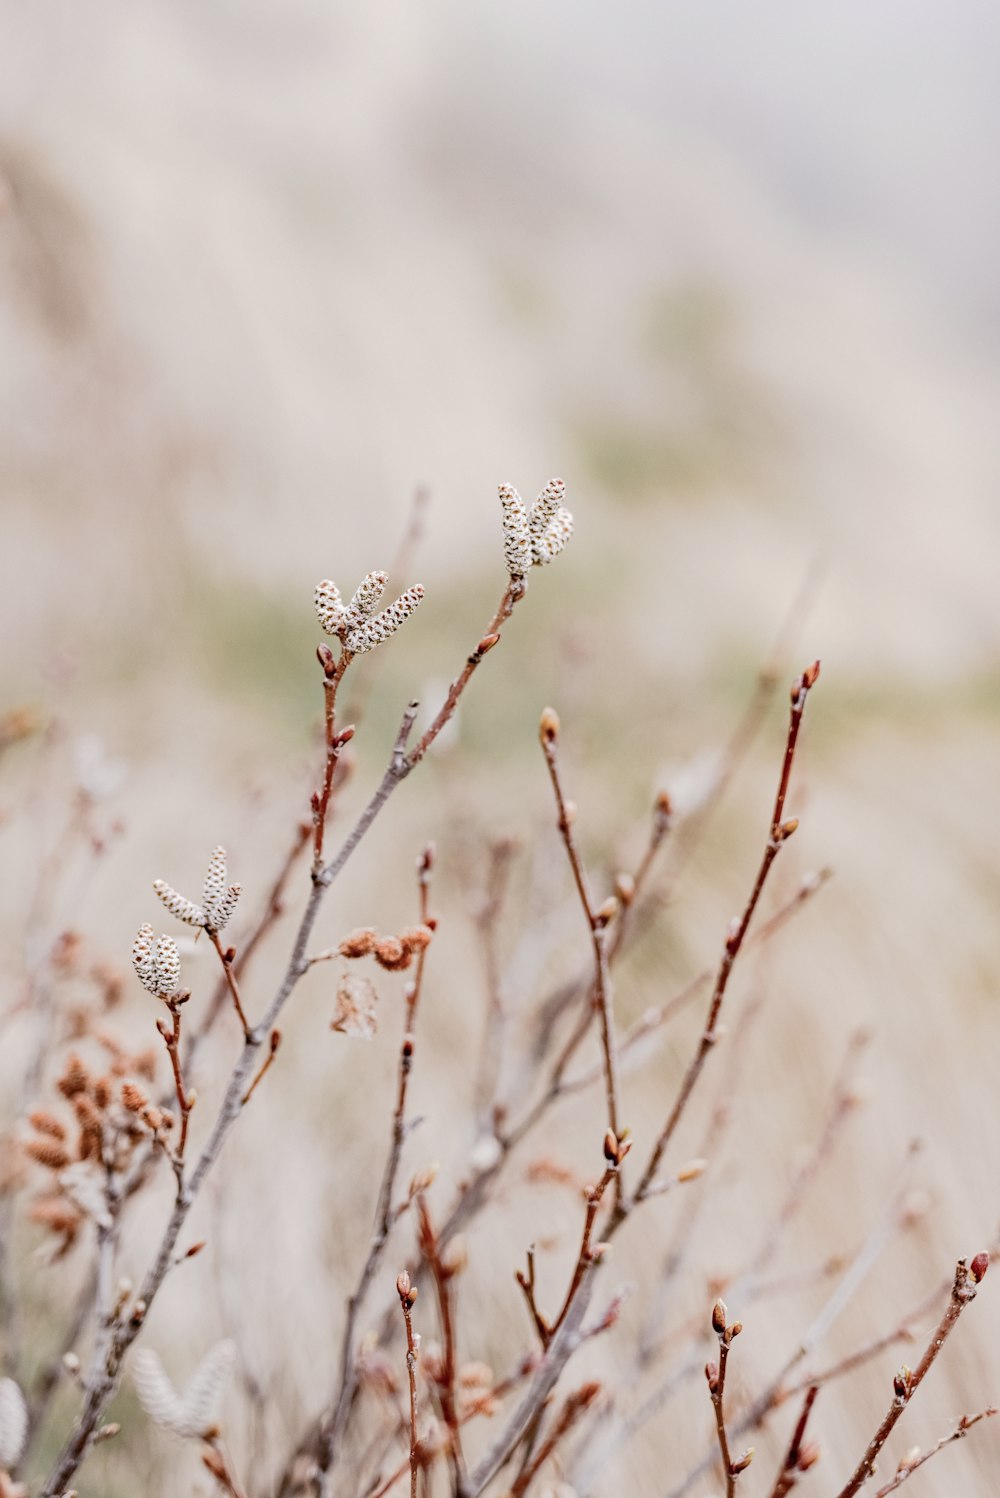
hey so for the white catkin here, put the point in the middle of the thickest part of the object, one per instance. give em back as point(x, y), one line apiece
point(384, 625)
point(226, 906)
point(215, 886)
point(157, 1394)
point(13, 1423)
point(545, 507)
point(143, 959)
point(365, 599)
point(203, 1395)
point(330, 610)
point(516, 538)
point(549, 545)
point(168, 966)
point(185, 910)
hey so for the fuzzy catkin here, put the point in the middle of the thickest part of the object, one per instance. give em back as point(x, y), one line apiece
point(516, 537)
point(544, 508)
point(550, 544)
point(185, 910)
point(143, 959)
point(330, 610)
point(376, 631)
point(215, 885)
point(366, 597)
point(168, 965)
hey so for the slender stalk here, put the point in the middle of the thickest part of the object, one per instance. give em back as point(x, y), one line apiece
point(798, 1457)
point(908, 1466)
point(231, 983)
point(778, 833)
point(906, 1384)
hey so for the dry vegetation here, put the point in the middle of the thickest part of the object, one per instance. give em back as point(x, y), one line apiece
point(452, 1267)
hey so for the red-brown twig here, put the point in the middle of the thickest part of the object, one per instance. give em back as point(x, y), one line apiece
point(172, 1040)
point(105, 1379)
point(214, 1458)
point(615, 1151)
point(514, 593)
point(443, 1275)
point(715, 1375)
point(333, 675)
point(491, 1047)
point(266, 1065)
point(274, 908)
point(575, 1405)
point(226, 956)
point(407, 1297)
point(799, 1457)
point(597, 920)
point(906, 1383)
point(778, 833)
point(327, 1439)
point(911, 1463)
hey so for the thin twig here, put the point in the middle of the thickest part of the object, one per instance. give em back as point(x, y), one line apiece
point(597, 920)
point(963, 1292)
point(575, 1405)
point(226, 958)
point(799, 1457)
point(778, 834)
point(103, 1382)
point(172, 1040)
point(407, 1296)
point(909, 1465)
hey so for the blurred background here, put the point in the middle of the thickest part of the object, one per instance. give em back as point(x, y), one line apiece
point(265, 273)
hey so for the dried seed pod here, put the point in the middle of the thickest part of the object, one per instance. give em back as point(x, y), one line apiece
point(379, 629)
point(359, 943)
point(416, 938)
point(516, 535)
point(185, 910)
point(392, 955)
point(330, 609)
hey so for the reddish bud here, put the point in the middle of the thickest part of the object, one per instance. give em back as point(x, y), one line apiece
point(487, 643)
point(810, 675)
point(344, 736)
point(901, 1381)
point(275, 1040)
point(719, 1317)
point(808, 1455)
point(326, 659)
point(743, 1462)
point(548, 726)
point(611, 1147)
point(712, 1376)
point(787, 828)
point(978, 1267)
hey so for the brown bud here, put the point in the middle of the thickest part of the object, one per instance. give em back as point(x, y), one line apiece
point(195, 1248)
point(719, 1316)
point(424, 1179)
point(570, 809)
point(712, 1376)
point(606, 912)
point(732, 1332)
point(548, 726)
point(901, 1381)
point(743, 1462)
point(402, 1284)
point(663, 805)
point(787, 829)
point(327, 660)
point(691, 1171)
point(810, 675)
point(344, 736)
point(275, 1040)
point(487, 643)
point(808, 1455)
point(909, 1460)
point(392, 955)
point(625, 888)
point(611, 1147)
point(978, 1267)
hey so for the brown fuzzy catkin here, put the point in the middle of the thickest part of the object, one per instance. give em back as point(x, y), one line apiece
point(359, 943)
point(48, 1153)
point(47, 1123)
